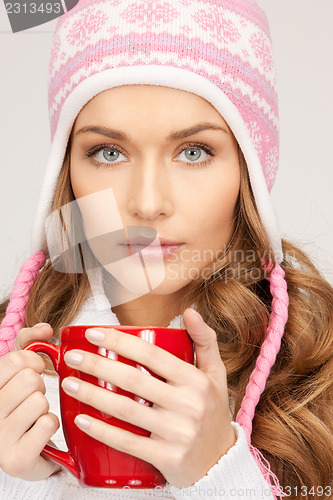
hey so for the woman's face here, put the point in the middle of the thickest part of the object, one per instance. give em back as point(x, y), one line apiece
point(183, 183)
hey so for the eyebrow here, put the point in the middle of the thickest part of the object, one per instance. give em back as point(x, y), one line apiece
point(180, 134)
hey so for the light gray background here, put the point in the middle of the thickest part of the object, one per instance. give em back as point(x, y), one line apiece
point(303, 41)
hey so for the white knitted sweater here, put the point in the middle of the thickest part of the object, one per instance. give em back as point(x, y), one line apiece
point(236, 475)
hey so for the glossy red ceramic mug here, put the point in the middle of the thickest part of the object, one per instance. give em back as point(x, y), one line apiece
point(93, 463)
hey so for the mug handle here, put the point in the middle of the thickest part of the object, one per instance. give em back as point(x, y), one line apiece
point(60, 457)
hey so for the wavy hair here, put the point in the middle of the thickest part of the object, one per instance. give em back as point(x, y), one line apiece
point(293, 421)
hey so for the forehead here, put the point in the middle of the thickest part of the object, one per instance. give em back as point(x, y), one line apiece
point(149, 104)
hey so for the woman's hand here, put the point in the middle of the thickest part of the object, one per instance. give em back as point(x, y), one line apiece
point(189, 421)
point(26, 425)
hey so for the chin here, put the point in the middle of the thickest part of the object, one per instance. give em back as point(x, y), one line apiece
point(169, 286)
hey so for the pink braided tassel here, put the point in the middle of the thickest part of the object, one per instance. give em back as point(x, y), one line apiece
point(265, 361)
point(15, 313)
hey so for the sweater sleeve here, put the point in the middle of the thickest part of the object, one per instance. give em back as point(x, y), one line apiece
point(13, 488)
point(236, 475)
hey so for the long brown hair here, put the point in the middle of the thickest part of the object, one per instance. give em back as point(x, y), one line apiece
point(293, 424)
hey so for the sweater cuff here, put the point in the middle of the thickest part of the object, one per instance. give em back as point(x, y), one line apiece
point(19, 489)
point(236, 475)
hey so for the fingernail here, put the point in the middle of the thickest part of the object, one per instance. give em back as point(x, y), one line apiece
point(82, 422)
point(73, 358)
point(94, 334)
point(70, 385)
point(196, 313)
point(39, 325)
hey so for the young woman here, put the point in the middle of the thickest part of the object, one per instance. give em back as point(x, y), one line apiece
point(157, 107)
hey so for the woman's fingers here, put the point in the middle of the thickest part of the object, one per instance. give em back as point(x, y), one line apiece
point(22, 418)
point(22, 404)
point(21, 386)
point(139, 446)
point(40, 433)
point(158, 360)
point(16, 361)
point(126, 377)
point(116, 405)
point(208, 356)
point(26, 461)
point(41, 331)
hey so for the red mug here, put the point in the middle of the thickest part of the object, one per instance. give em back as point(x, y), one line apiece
point(101, 465)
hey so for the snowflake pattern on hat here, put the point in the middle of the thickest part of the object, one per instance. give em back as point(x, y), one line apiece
point(150, 14)
point(262, 50)
point(82, 30)
point(220, 27)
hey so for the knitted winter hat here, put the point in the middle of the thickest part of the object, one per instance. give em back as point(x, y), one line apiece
point(218, 49)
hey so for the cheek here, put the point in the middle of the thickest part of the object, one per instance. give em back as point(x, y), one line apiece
point(83, 183)
point(97, 205)
point(213, 206)
point(100, 214)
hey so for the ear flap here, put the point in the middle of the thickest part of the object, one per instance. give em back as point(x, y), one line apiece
point(15, 313)
point(268, 352)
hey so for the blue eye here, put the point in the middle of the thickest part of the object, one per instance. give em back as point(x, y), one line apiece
point(111, 154)
point(198, 147)
point(108, 154)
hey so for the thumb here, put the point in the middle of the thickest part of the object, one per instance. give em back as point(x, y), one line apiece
point(208, 357)
point(41, 331)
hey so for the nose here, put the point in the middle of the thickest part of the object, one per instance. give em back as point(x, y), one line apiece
point(150, 192)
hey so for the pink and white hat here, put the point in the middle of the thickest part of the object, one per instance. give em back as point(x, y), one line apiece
point(220, 50)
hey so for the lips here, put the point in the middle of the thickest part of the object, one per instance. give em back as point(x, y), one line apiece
point(155, 252)
point(153, 248)
point(144, 241)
